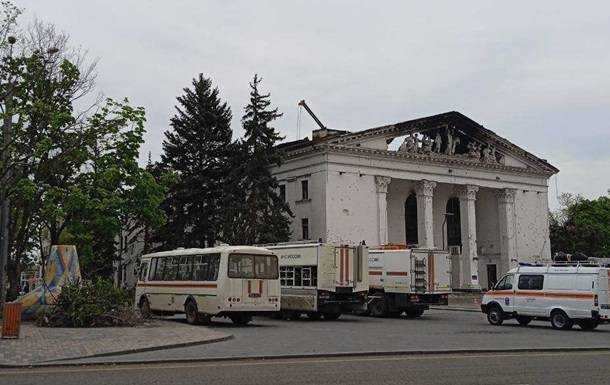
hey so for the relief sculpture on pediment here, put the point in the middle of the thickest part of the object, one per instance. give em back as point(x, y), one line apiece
point(452, 142)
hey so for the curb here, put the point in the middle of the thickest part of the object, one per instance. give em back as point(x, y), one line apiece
point(322, 355)
point(452, 308)
point(59, 361)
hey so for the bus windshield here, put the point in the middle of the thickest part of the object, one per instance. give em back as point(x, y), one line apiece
point(253, 266)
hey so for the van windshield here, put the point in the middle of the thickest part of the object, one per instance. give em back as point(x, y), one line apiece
point(251, 266)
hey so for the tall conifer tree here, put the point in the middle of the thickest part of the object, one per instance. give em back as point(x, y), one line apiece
point(196, 149)
point(261, 215)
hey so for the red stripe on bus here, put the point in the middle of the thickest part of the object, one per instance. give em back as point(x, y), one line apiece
point(398, 273)
point(372, 272)
point(177, 284)
point(260, 287)
point(249, 287)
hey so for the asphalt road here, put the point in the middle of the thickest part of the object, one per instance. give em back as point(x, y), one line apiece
point(435, 331)
point(589, 368)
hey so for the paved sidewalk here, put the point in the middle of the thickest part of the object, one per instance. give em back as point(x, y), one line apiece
point(43, 345)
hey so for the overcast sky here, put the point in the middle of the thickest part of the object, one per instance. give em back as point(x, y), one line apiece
point(535, 72)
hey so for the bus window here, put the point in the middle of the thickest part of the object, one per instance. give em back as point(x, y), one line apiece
point(160, 271)
point(265, 266)
point(143, 271)
point(253, 266)
point(153, 268)
point(205, 267)
point(185, 268)
point(241, 266)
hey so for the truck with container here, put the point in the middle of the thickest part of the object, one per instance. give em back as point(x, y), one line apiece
point(407, 280)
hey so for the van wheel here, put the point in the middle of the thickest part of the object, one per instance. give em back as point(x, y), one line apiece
point(495, 316)
point(560, 320)
point(145, 308)
point(240, 319)
point(587, 324)
point(192, 313)
point(523, 320)
point(332, 316)
point(377, 308)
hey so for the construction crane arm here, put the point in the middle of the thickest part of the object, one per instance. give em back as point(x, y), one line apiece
point(310, 112)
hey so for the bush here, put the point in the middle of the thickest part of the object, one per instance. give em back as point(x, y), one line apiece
point(90, 303)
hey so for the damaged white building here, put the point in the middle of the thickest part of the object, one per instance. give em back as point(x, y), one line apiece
point(442, 181)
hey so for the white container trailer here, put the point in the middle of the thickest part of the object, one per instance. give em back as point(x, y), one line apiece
point(322, 280)
point(407, 280)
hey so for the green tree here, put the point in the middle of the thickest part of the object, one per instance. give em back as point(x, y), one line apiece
point(72, 176)
point(261, 215)
point(196, 150)
point(581, 225)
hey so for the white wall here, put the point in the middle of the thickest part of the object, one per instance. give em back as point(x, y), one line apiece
point(532, 225)
point(351, 208)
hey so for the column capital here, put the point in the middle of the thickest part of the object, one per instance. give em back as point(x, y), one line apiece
point(469, 192)
point(382, 182)
point(505, 195)
point(425, 188)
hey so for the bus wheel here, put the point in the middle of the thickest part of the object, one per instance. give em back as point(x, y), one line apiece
point(240, 319)
point(314, 316)
point(414, 312)
point(192, 313)
point(588, 324)
point(145, 308)
point(523, 320)
point(560, 320)
point(332, 316)
point(377, 308)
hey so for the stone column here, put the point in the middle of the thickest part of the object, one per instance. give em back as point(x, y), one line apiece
point(382, 182)
point(425, 224)
point(469, 260)
point(506, 217)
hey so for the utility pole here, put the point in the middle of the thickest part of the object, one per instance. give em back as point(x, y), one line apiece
point(7, 128)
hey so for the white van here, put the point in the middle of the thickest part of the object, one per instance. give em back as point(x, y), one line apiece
point(407, 280)
point(235, 282)
point(563, 294)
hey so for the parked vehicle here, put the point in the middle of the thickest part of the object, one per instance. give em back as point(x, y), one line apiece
point(560, 293)
point(322, 280)
point(236, 282)
point(407, 280)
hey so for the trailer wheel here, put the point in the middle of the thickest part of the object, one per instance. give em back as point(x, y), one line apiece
point(560, 320)
point(377, 308)
point(523, 320)
point(587, 324)
point(332, 316)
point(315, 316)
point(495, 316)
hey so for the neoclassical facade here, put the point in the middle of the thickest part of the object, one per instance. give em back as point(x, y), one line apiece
point(442, 182)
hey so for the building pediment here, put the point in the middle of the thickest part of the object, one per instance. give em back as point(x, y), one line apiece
point(450, 136)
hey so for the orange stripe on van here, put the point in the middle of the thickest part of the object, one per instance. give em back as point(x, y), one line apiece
point(177, 284)
point(571, 295)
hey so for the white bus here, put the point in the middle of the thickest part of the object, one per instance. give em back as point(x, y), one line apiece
point(322, 280)
point(407, 280)
point(563, 294)
point(235, 282)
